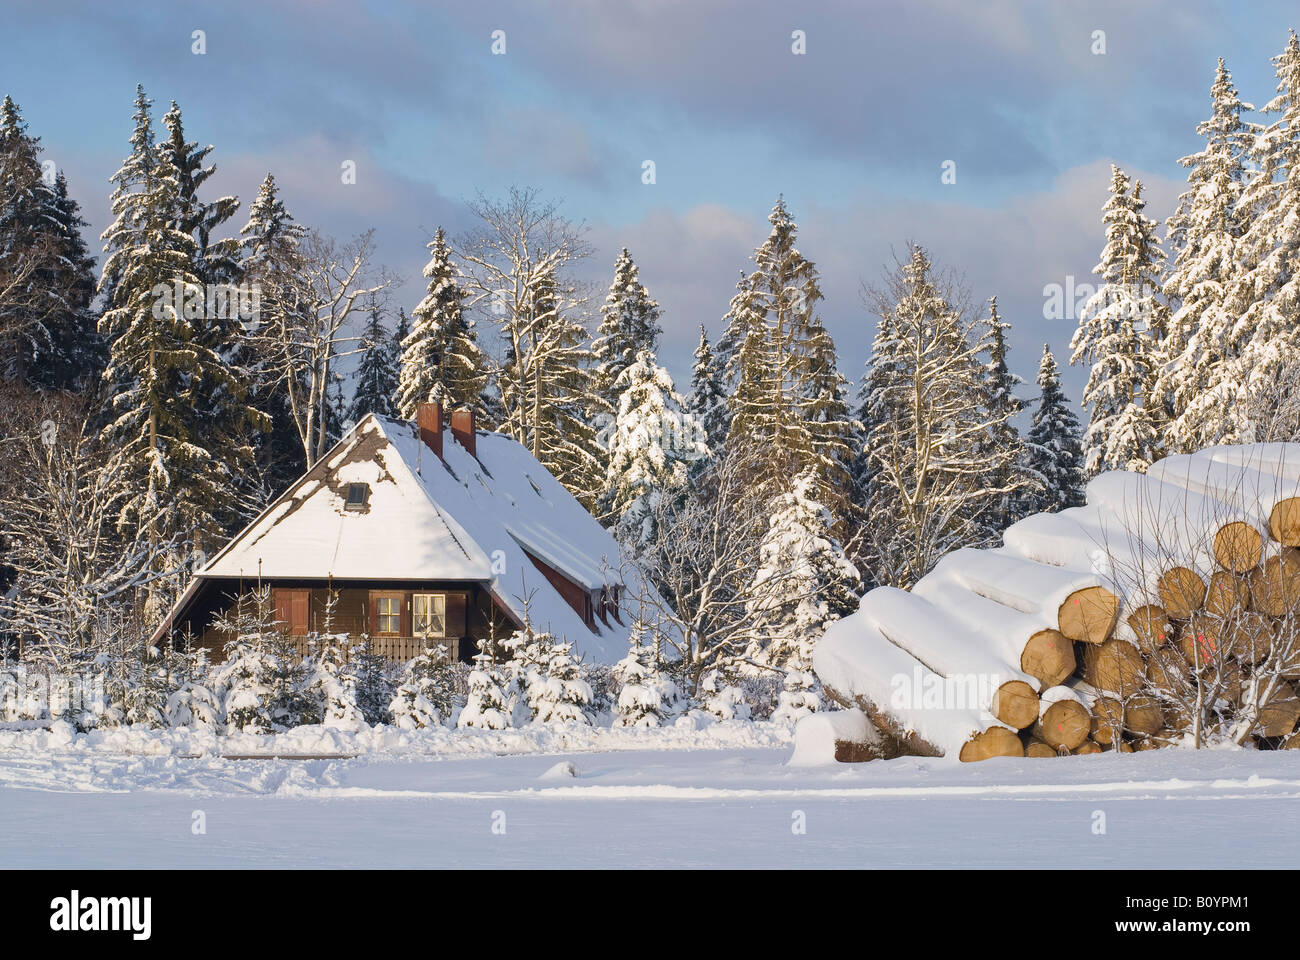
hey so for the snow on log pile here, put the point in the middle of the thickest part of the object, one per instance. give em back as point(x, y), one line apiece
point(1164, 610)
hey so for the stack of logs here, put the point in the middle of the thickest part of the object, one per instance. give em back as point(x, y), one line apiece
point(1219, 650)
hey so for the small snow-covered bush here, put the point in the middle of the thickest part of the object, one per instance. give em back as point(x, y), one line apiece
point(193, 703)
point(333, 699)
point(424, 697)
point(646, 696)
point(604, 690)
point(260, 684)
point(489, 705)
point(556, 692)
point(366, 676)
point(798, 697)
point(724, 700)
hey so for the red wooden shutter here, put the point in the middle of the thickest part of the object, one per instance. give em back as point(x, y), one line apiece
point(372, 616)
point(406, 614)
point(283, 607)
point(456, 607)
point(301, 602)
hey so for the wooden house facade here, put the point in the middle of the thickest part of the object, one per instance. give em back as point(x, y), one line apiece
point(416, 535)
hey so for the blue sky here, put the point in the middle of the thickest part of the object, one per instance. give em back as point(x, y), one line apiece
point(854, 132)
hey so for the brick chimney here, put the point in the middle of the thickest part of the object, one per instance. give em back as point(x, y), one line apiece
point(463, 429)
point(428, 421)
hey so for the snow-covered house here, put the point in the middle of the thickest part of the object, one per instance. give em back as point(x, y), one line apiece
point(428, 533)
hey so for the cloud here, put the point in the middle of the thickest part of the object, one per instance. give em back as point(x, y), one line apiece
point(534, 143)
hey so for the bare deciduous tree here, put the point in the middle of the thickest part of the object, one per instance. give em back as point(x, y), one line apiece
point(516, 263)
point(708, 608)
point(74, 568)
point(304, 326)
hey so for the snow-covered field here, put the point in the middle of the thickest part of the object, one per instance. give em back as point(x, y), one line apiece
point(717, 797)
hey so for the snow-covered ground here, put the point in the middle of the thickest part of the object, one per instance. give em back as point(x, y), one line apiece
point(718, 797)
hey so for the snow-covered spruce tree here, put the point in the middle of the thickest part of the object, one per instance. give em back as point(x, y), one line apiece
point(518, 264)
point(646, 698)
point(47, 330)
point(228, 423)
point(546, 391)
point(779, 363)
point(194, 702)
point(651, 443)
point(376, 377)
point(262, 683)
point(798, 697)
point(708, 397)
point(722, 698)
point(1204, 239)
point(930, 464)
point(1003, 407)
point(817, 581)
point(325, 682)
point(1118, 337)
point(1054, 448)
point(25, 249)
point(545, 679)
point(488, 705)
point(154, 682)
point(560, 695)
point(440, 356)
point(365, 676)
point(629, 324)
point(424, 698)
point(245, 682)
point(269, 251)
point(1266, 300)
point(79, 351)
point(216, 260)
point(178, 410)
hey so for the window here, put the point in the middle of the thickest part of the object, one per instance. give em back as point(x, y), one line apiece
point(429, 615)
point(389, 610)
point(358, 496)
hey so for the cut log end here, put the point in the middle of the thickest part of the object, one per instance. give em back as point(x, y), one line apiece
point(1284, 522)
point(1278, 717)
point(1037, 748)
point(1107, 720)
point(1143, 715)
point(1115, 666)
point(1238, 546)
point(993, 742)
point(1275, 584)
point(1048, 657)
point(1065, 725)
point(1226, 594)
point(1016, 703)
point(1088, 615)
point(1151, 625)
point(1182, 592)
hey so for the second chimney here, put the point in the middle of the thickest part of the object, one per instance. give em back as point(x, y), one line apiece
point(463, 429)
point(428, 421)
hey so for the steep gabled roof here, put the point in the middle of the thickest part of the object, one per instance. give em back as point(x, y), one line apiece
point(457, 517)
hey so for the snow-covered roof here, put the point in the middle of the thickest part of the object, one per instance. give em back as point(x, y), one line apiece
point(457, 517)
